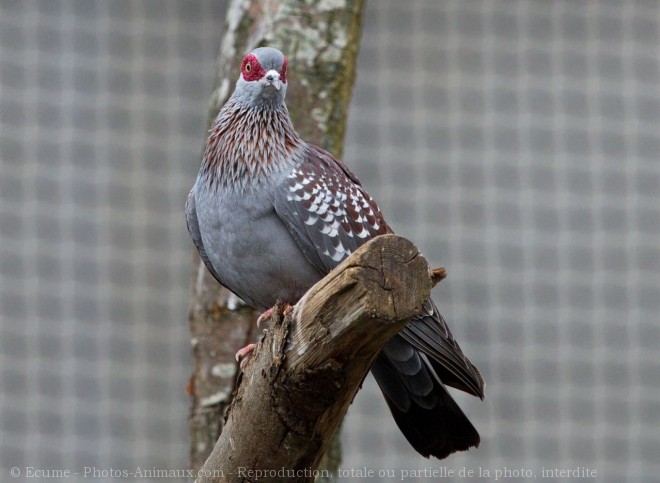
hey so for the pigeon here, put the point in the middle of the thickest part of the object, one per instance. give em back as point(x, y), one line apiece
point(271, 214)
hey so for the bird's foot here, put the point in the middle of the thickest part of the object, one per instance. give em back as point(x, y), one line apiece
point(265, 315)
point(269, 313)
point(243, 353)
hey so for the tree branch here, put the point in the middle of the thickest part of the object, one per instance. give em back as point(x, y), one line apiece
point(299, 382)
point(438, 275)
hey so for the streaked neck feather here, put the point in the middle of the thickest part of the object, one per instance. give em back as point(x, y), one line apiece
point(248, 145)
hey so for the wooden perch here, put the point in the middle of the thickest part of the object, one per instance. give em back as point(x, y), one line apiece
point(304, 373)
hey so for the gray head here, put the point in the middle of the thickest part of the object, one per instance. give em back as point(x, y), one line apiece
point(262, 82)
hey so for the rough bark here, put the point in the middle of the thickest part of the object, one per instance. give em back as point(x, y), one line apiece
point(296, 388)
point(321, 40)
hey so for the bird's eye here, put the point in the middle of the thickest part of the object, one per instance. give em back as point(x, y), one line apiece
point(248, 67)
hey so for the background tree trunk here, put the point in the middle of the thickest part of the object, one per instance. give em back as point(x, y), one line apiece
point(321, 41)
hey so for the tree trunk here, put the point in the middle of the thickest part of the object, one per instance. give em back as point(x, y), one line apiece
point(321, 40)
point(295, 389)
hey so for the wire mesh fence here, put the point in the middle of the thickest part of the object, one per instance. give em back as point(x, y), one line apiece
point(514, 142)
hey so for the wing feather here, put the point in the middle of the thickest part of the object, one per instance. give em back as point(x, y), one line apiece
point(326, 210)
point(330, 215)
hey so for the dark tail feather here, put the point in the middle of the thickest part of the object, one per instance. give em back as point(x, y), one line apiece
point(424, 411)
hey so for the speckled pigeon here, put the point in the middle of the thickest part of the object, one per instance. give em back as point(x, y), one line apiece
point(272, 214)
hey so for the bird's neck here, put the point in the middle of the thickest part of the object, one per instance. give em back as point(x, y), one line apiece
point(247, 145)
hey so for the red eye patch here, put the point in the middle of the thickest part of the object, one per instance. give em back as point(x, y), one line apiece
point(283, 71)
point(251, 69)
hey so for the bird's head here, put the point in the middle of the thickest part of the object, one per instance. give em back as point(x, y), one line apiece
point(263, 78)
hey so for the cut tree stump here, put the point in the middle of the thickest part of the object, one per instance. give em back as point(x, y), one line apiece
point(297, 386)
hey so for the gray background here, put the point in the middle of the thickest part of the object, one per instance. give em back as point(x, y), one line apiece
point(516, 142)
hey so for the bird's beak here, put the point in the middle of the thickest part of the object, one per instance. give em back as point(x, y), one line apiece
point(273, 78)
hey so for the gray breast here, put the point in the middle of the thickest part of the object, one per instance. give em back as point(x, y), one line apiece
point(251, 249)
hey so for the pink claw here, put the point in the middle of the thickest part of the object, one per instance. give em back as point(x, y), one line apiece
point(243, 353)
point(266, 315)
point(269, 313)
